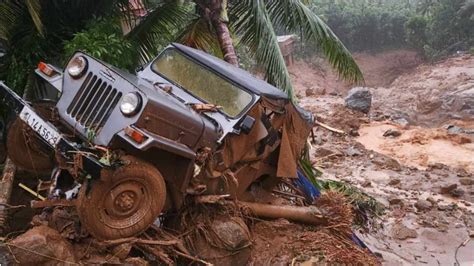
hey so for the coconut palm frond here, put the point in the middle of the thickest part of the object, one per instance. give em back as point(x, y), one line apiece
point(10, 12)
point(161, 25)
point(34, 8)
point(467, 9)
point(200, 35)
point(255, 30)
point(294, 15)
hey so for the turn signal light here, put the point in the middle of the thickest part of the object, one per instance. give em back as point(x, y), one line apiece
point(136, 135)
point(46, 69)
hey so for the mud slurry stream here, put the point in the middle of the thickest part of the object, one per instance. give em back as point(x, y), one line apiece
point(424, 175)
point(420, 147)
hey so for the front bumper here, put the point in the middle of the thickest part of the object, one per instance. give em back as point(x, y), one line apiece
point(49, 133)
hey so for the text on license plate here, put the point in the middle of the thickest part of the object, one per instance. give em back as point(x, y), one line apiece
point(47, 132)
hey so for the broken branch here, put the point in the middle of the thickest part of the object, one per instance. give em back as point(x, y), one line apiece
point(134, 240)
point(335, 130)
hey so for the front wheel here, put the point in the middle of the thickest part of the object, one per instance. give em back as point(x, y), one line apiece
point(126, 204)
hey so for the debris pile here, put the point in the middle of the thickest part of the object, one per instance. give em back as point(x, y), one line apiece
point(219, 232)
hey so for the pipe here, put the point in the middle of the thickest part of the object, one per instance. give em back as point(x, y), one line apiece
point(307, 215)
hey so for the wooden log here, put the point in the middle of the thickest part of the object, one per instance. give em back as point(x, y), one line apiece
point(307, 215)
point(6, 186)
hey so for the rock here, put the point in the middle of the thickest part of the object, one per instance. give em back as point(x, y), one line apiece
point(447, 189)
point(443, 207)
point(229, 242)
point(438, 166)
point(366, 183)
point(394, 182)
point(402, 122)
point(460, 172)
point(423, 205)
point(42, 240)
point(452, 129)
point(354, 132)
point(392, 133)
point(234, 232)
point(386, 162)
point(323, 152)
point(471, 233)
point(395, 201)
point(315, 91)
point(432, 200)
point(351, 151)
point(319, 90)
point(359, 99)
point(466, 181)
point(458, 192)
point(458, 225)
point(401, 232)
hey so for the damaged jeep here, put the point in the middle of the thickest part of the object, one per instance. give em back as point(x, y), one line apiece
point(126, 149)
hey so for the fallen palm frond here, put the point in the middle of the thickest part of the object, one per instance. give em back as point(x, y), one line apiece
point(366, 209)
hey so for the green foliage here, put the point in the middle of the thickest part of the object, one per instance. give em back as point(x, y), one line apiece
point(365, 25)
point(104, 40)
point(450, 31)
point(416, 29)
point(434, 27)
point(35, 30)
point(255, 23)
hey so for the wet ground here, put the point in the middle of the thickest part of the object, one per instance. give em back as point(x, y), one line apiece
point(422, 170)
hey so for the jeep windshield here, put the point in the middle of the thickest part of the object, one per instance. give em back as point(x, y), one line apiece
point(201, 82)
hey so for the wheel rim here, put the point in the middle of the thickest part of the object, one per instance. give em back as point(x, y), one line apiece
point(125, 204)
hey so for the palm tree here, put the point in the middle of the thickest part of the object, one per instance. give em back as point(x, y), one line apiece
point(253, 24)
point(467, 9)
point(211, 25)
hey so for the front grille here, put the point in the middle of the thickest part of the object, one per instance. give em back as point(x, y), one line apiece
point(93, 103)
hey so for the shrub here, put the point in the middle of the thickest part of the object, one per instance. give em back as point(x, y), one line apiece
point(103, 39)
point(416, 28)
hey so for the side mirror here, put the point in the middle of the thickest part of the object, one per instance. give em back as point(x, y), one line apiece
point(247, 124)
point(139, 69)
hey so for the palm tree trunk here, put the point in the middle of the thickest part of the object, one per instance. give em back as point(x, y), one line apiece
point(225, 42)
point(216, 12)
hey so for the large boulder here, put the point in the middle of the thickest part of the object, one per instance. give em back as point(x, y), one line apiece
point(42, 245)
point(359, 99)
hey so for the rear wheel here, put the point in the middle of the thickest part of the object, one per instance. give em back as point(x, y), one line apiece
point(125, 205)
point(27, 151)
point(24, 147)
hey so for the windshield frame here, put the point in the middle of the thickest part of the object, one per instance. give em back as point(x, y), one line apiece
point(235, 84)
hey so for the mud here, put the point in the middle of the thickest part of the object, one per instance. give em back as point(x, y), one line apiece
point(379, 70)
point(430, 107)
point(420, 147)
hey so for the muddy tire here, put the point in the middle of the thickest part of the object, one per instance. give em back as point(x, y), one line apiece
point(26, 150)
point(126, 204)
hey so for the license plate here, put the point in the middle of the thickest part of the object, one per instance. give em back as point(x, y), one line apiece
point(46, 131)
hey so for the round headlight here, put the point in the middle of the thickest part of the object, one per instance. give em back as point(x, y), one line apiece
point(131, 104)
point(77, 66)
